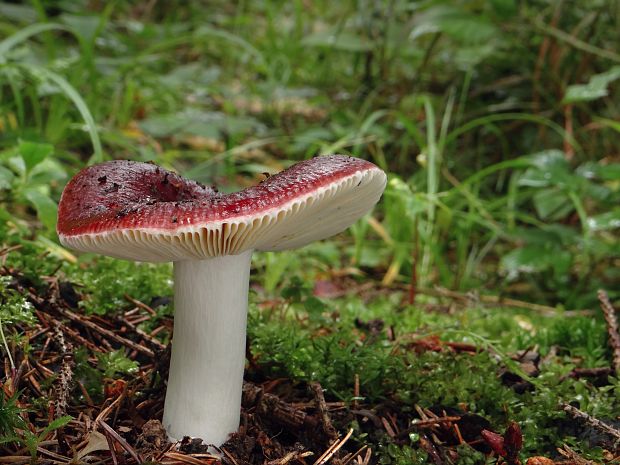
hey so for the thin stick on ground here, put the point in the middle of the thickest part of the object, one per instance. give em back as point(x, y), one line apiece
point(139, 304)
point(7, 348)
point(590, 420)
point(108, 430)
point(157, 345)
point(354, 455)
point(356, 392)
point(589, 372)
point(272, 407)
point(107, 333)
point(427, 423)
point(335, 447)
point(415, 255)
point(64, 384)
point(328, 428)
point(573, 457)
point(476, 298)
point(612, 327)
point(229, 455)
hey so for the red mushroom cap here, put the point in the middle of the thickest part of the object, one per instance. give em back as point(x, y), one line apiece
point(143, 212)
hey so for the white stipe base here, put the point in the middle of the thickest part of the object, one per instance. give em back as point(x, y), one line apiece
point(208, 348)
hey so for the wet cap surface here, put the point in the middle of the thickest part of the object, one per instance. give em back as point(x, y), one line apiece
point(141, 211)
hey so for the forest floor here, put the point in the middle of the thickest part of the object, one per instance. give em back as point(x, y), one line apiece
point(94, 389)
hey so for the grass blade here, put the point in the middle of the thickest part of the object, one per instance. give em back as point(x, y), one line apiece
point(73, 95)
point(27, 32)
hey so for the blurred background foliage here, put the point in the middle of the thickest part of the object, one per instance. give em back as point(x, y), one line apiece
point(497, 122)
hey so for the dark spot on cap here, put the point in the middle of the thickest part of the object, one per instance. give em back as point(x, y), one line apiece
point(113, 188)
point(102, 179)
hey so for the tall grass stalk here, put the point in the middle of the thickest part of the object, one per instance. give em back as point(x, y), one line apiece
point(6, 346)
point(489, 119)
point(26, 33)
point(432, 183)
point(73, 95)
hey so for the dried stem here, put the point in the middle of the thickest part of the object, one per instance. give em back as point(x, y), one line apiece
point(428, 423)
point(64, 383)
point(106, 332)
point(474, 298)
point(590, 420)
point(270, 406)
point(328, 428)
point(7, 348)
point(612, 327)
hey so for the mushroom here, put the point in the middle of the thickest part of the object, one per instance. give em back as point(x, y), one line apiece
point(139, 211)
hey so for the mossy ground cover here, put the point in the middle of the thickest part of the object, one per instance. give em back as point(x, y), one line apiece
point(384, 365)
point(497, 125)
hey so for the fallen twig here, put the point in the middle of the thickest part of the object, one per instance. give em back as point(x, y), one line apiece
point(573, 457)
point(155, 343)
point(590, 420)
point(588, 372)
point(501, 301)
point(106, 332)
point(108, 430)
point(355, 455)
point(331, 450)
point(326, 421)
point(176, 458)
point(16, 459)
point(428, 423)
point(63, 384)
point(293, 455)
point(431, 450)
point(273, 408)
point(366, 459)
point(139, 304)
point(612, 328)
point(356, 392)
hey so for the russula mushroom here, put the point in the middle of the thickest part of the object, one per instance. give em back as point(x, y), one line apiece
point(139, 211)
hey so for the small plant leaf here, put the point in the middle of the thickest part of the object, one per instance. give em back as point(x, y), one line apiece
point(34, 153)
point(457, 23)
point(605, 221)
point(314, 305)
point(46, 208)
point(116, 362)
point(535, 258)
point(547, 168)
point(53, 425)
point(6, 178)
point(594, 89)
point(552, 204)
point(345, 41)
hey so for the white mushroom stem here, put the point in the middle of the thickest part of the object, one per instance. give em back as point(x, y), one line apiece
point(208, 348)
